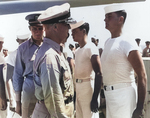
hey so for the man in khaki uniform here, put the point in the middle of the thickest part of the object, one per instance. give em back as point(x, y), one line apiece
point(52, 76)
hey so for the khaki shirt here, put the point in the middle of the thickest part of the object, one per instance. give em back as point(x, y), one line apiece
point(53, 81)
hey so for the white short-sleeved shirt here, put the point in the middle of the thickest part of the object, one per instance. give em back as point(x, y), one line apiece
point(115, 65)
point(12, 58)
point(83, 66)
point(2, 60)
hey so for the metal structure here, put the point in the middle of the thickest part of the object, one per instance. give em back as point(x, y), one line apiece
point(20, 6)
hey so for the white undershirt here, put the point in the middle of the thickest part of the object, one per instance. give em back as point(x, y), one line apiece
point(115, 65)
point(83, 66)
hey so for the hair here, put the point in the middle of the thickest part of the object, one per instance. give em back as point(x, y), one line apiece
point(147, 42)
point(137, 39)
point(71, 46)
point(77, 45)
point(122, 13)
point(85, 26)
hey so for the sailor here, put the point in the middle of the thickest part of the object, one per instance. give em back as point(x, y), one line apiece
point(23, 70)
point(52, 75)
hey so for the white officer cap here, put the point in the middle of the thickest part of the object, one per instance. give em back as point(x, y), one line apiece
point(1, 38)
point(56, 14)
point(77, 24)
point(23, 35)
point(113, 8)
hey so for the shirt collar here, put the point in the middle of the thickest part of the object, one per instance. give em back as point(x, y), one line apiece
point(53, 44)
point(31, 41)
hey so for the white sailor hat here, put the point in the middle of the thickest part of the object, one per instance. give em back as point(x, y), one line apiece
point(22, 35)
point(32, 18)
point(77, 24)
point(113, 8)
point(56, 14)
point(4, 48)
point(1, 38)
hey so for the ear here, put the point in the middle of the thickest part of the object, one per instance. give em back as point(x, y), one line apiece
point(121, 19)
point(43, 28)
point(30, 28)
point(84, 31)
point(55, 27)
point(17, 40)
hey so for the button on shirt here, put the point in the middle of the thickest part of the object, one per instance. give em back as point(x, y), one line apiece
point(52, 76)
point(24, 65)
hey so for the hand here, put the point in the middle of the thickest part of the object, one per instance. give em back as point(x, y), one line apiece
point(3, 104)
point(138, 113)
point(94, 106)
point(18, 108)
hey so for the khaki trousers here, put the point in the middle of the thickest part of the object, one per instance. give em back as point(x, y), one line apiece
point(84, 94)
point(40, 111)
point(28, 99)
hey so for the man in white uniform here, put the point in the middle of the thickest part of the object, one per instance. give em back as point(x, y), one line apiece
point(87, 62)
point(3, 99)
point(21, 37)
point(120, 59)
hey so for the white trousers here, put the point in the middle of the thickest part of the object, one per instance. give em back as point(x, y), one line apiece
point(121, 103)
point(84, 94)
point(3, 114)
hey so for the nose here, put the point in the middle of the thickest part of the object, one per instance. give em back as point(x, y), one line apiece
point(105, 19)
point(72, 33)
point(69, 26)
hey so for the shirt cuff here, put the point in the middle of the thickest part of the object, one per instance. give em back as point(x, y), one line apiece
point(18, 96)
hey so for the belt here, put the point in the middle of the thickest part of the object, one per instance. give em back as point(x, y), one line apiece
point(67, 101)
point(41, 101)
point(116, 86)
point(82, 80)
point(29, 77)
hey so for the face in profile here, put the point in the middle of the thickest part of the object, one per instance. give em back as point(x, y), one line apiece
point(77, 34)
point(63, 30)
point(5, 52)
point(111, 21)
point(1, 45)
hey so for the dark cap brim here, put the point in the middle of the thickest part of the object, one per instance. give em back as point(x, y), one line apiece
point(58, 19)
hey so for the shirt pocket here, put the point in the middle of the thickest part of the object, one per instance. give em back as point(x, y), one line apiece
point(65, 79)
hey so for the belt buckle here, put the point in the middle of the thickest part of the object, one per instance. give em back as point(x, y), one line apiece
point(40, 101)
point(108, 88)
point(78, 80)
